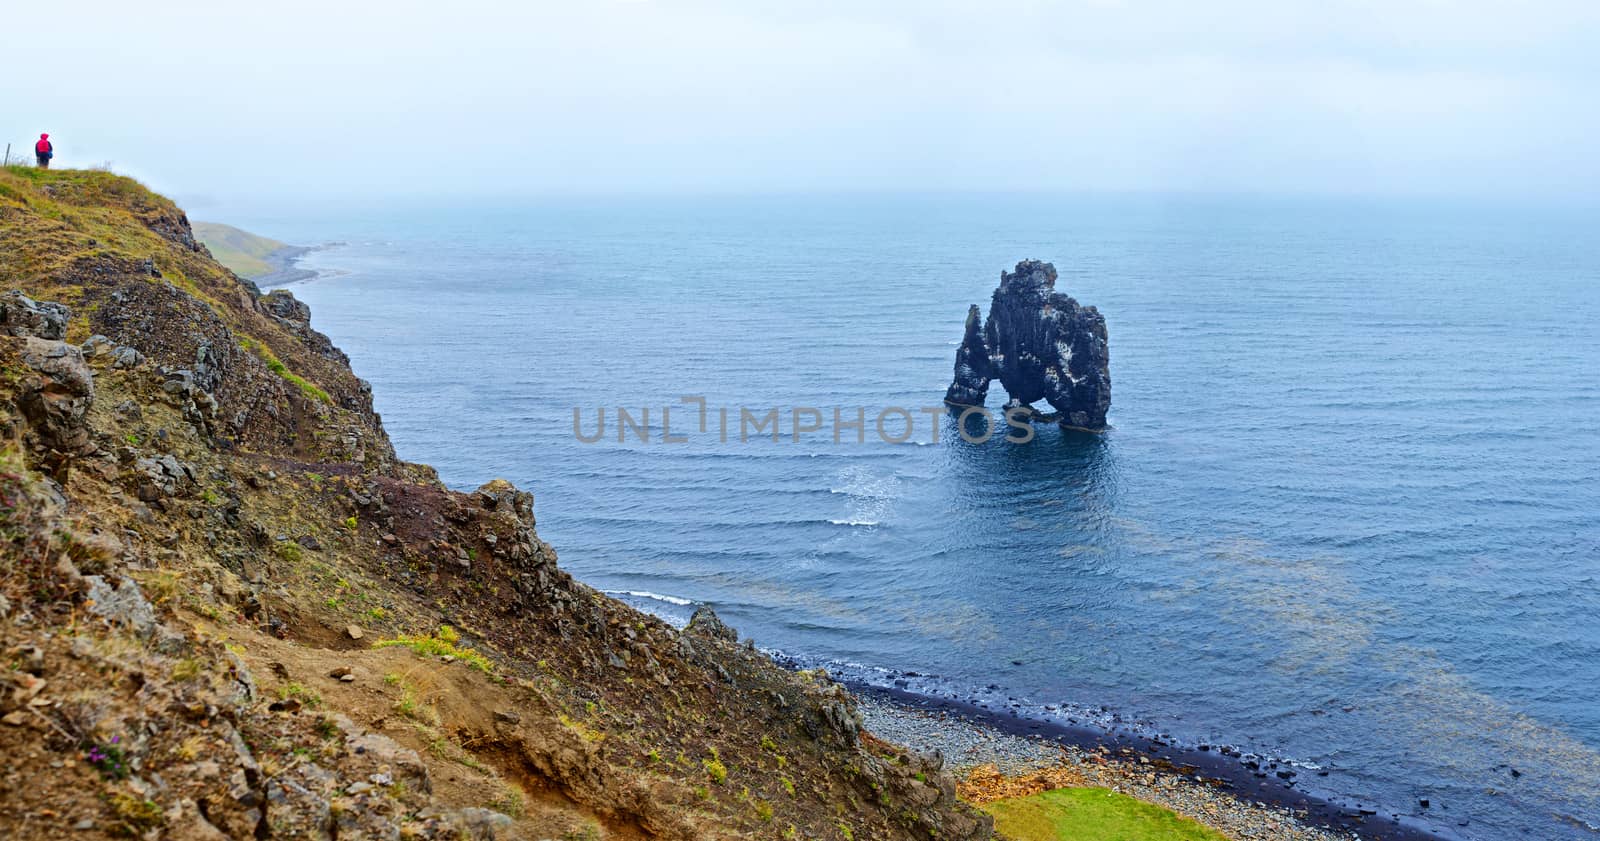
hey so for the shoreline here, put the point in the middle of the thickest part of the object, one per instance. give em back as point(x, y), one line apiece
point(1242, 794)
point(284, 269)
point(1209, 786)
point(285, 263)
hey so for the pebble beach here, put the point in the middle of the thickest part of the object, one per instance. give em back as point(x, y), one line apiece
point(992, 763)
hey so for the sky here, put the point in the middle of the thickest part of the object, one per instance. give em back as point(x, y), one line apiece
point(386, 98)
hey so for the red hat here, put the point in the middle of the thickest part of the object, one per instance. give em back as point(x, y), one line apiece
point(44, 137)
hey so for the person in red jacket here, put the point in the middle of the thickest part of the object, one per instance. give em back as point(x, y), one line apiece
point(44, 151)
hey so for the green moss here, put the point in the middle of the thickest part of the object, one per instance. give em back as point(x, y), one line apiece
point(715, 769)
point(135, 816)
point(768, 745)
point(1092, 814)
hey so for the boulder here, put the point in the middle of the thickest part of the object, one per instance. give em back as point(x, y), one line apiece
point(500, 495)
point(57, 398)
point(122, 604)
point(162, 476)
point(23, 316)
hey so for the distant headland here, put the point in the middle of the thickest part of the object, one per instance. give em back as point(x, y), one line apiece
point(261, 260)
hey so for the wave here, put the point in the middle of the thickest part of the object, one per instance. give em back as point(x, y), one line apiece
point(646, 594)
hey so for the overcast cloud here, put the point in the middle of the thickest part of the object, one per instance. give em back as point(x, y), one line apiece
point(604, 96)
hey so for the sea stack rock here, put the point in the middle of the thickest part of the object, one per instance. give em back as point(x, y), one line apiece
point(971, 385)
point(1041, 345)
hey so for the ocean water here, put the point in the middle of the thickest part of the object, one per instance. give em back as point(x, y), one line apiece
point(1347, 514)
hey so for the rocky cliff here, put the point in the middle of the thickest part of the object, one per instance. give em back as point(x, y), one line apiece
point(1041, 345)
point(228, 610)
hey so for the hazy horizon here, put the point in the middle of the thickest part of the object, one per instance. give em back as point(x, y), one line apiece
point(709, 97)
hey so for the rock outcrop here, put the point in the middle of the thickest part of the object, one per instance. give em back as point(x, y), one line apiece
point(56, 398)
point(973, 371)
point(23, 316)
point(1041, 345)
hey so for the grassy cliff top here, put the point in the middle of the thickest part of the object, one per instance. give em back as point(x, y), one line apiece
point(52, 219)
point(126, 262)
point(241, 251)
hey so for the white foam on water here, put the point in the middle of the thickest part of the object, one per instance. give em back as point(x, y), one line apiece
point(871, 495)
point(646, 594)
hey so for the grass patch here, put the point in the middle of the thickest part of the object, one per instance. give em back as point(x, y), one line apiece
point(276, 366)
point(510, 802)
point(1092, 814)
point(441, 644)
point(299, 692)
point(588, 733)
point(135, 816)
point(186, 670)
point(445, 748)
point(160, 586)
point(717, 771)
point(412, 705)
